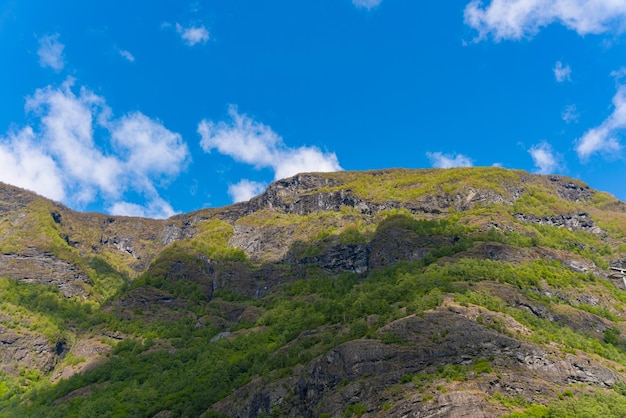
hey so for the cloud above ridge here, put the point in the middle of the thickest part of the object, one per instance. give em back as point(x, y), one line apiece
point(518, 19)
point(605, 138)
point(441, 160)
point(545, 159)
point(250, 142)
point(78, 153)
point(245, 190)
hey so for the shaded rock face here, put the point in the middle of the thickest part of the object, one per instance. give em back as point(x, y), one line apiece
point(574, 222)
point(397, 244)
point(150, 303)
point(242, 278)
point(44, 269)
point(386, 248)
point(359, 371)
point(342, 258)
point(24, 349)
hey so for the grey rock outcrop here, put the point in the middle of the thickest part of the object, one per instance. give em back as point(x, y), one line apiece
point(44, 269)
point(23, 349)
point(574, 222)
point(359, 371)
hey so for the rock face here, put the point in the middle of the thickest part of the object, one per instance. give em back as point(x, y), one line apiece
point(27, 350)
point(13, 198)
point(44, 269)
point(574, 222)
point(223, 279)
point(150, 304)
point(361, 371)
point(341, 258)
point(303, 194)
point(570, 190)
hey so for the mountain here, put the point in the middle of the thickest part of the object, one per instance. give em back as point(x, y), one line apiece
point(476, 292)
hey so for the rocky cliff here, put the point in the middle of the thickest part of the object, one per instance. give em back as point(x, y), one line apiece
point(463, 292)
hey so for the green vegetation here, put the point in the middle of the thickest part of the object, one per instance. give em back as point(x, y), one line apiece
point(180, 340)
point(407, 185)
point(142, 383)
point(44, 310)
point(587, 405)
point(449, 373)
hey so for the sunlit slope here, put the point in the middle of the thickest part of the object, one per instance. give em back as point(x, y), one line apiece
point(382, 293)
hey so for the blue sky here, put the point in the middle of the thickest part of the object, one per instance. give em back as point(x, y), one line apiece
point(153, 108)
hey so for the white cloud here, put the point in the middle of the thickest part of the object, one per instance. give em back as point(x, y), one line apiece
point(126, 54)
point(193, 35)
point(67, 123)
point(366, 4)
point(562, 72)
point(304, 159)
point(545, 159)
point(156, 208)
point(148, 148)
point(254, 143)
point(51, 52)
point(604, 139)
point(245, 190)
point(243, 138)
point(440, 160)
point(570, 114)
point(25, 164)
point(517, 19)
point(65, 160)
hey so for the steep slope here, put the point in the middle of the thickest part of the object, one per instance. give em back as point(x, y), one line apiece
point(385, 293)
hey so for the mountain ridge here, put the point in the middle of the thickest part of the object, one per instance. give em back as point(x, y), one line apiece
point(379, 293)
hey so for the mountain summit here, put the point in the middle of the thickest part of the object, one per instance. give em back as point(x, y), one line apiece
point(475, 292)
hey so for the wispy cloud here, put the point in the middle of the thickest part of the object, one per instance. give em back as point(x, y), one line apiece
point(570, 114)
point(546, 161)
point(62, 159)
point(193, 35)
point(127, 55)
point(366, 4)
point(562, 72)
point(250, 142)
point(604, 139)
point(517, 19)
point(245, 190)
point(618, 75)
point(440, 160)
point(50, 52)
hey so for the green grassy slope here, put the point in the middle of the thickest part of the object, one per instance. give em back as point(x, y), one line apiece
point(241, 307)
